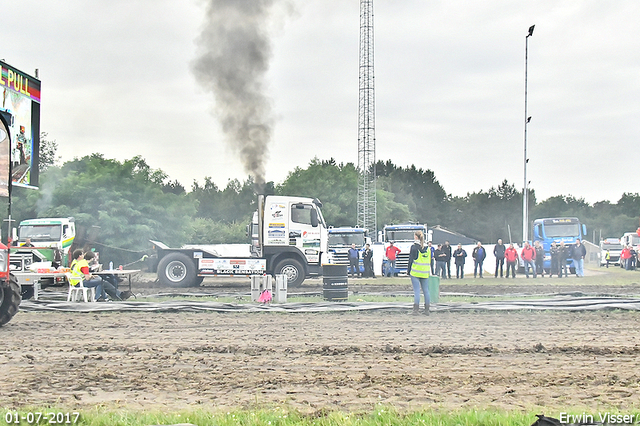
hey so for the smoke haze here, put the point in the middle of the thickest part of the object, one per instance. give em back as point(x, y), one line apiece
point(234, 54)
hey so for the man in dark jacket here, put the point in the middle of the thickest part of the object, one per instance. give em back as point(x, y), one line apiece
point(367, 259)
point(578, 252)
point(459, 255)
point(479, 254)
point(539, 257)
point(354, 261)
point(498, 252)
point(441, 263)
point(563, 255)
point(446, 248)
point(554, 252)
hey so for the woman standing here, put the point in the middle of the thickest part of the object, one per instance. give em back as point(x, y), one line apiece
point(419, 268)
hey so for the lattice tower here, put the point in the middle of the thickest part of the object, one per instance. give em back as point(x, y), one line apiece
point(366, 125)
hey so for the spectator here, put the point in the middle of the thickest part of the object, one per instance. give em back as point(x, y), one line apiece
point(392, 254)
point(80, 270)
point(367, 259)
point(478, 255)
point(498, 252)
point(418, 269)
point(433, 257)
point(446, 248)
point(607, 257)
point(109, 282)
point(634, 258)
point(528, 257)
point(459, 255)
point(563, 255)
point(539, 257)
point(354, 261)
point(554, 252)
point(441, 262)
point(625, 255)
point(578, 252)
point(511, 255)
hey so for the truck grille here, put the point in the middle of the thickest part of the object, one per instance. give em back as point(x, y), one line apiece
point(402, 261)
point(341, 258)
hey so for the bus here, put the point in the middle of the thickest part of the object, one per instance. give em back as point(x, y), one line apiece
point(558, 229)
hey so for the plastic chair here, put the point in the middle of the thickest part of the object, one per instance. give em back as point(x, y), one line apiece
point(88, 293)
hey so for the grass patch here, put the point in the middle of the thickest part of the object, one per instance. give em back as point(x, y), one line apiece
point(279, 416)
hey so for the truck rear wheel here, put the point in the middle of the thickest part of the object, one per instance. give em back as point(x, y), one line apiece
point(294, 271)
point(9, 300)
point(177, 270)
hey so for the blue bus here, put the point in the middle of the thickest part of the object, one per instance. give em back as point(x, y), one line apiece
point(548, 230)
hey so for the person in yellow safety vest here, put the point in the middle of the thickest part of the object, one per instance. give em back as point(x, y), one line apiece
point(419, 268)
point(80, 270)
point(607, 257)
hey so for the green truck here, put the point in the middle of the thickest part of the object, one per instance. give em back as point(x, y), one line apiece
point(51, 240)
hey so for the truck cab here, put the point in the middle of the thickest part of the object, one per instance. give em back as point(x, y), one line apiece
point(614, 247)
point(558, 229)
point(294, 236)
point(402, 236)
point(51, 239)
point(340, 241)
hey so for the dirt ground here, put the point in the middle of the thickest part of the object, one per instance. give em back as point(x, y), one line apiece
point(551, 361)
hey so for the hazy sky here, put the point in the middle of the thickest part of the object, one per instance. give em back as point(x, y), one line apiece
point(117, 79)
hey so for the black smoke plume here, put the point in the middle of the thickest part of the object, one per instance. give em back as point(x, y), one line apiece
point(234, 53)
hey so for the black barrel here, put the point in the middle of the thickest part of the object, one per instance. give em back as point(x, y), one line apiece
point(334, 282)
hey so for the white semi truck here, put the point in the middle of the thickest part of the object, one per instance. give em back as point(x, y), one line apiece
point(289, 236)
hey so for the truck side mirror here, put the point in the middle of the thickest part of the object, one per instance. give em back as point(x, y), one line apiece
point(314, 218)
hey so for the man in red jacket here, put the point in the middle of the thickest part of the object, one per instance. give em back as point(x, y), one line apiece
point(391, 253)
point(529, 256)
point(511, 256)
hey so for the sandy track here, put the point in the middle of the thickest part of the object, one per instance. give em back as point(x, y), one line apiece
point(347, 361)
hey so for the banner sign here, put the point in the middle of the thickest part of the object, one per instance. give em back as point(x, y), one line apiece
point(20, 106)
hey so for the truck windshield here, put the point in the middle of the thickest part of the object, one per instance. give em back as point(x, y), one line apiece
point(560, 230)
point(40, 232)
point(400, 234)
point(346, 239)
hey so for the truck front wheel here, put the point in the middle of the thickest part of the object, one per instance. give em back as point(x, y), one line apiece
point(177, 270)
point(294, 271)
point(9, 300)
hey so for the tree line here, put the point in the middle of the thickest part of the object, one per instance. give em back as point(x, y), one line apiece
point(120, 206)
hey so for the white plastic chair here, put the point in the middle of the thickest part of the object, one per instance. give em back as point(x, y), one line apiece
point(88, 293)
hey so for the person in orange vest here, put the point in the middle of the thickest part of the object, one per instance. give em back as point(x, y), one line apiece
point(528, 257)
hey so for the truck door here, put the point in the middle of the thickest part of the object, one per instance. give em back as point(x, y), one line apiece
point(305, 231)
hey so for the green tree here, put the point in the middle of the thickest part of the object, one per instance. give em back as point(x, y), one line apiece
point(125, 201)
point(336, 185)
point(418, 189)
point(48, 151)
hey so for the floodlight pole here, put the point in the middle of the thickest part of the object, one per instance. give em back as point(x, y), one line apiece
point(525, 195)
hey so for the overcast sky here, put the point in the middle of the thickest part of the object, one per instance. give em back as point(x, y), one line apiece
point(117, 79)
